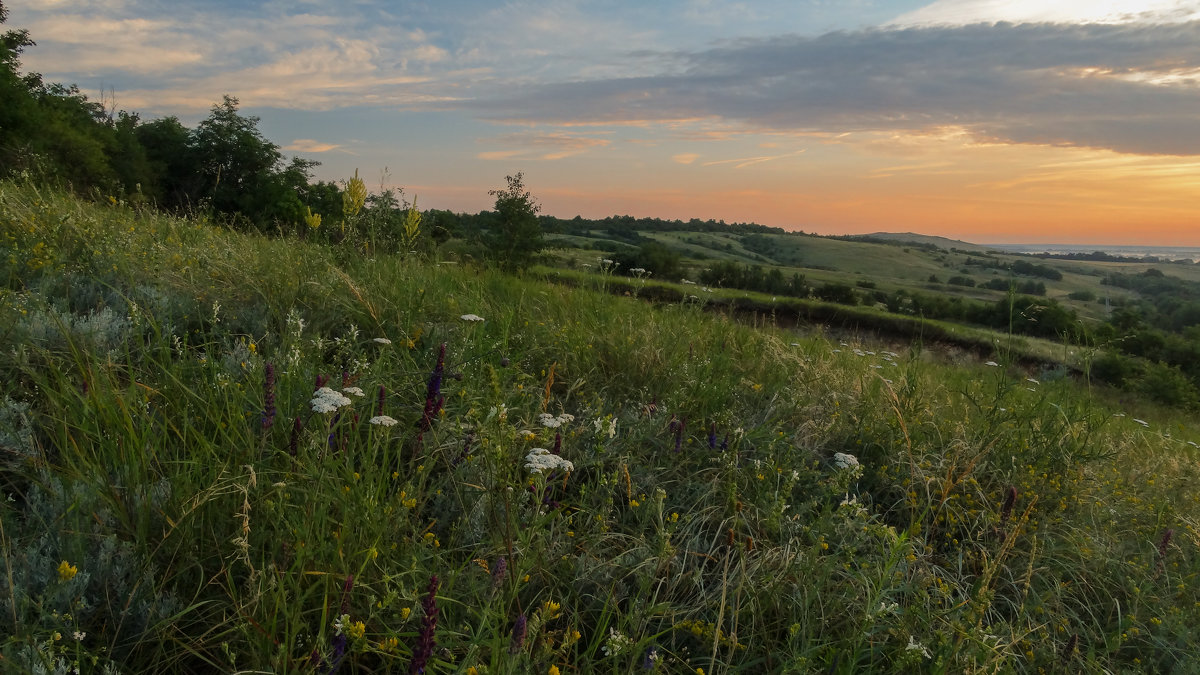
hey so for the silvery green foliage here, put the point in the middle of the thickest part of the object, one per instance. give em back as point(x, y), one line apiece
point(101, 330)
point(16, 432)
point(116, 589)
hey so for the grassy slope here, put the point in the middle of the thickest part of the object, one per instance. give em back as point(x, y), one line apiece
point(136, 348)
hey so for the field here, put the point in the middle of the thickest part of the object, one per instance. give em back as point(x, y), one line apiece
point(238, 452)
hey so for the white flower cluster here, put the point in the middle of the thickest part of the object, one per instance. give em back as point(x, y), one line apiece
point(327, 400)
point(616, 643)
point(553, 422)
point(600, 425)
point(383, 420)
point(541, 459)
point(914, 646)
point(471, 317)
point(844, 461)
point(354, 390)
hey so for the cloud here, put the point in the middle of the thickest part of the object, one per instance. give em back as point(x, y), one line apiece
point(685, 158)
point(963, 12)
point(1129, 88)
point(310, 145)
point(542, 145)
point(743, 162)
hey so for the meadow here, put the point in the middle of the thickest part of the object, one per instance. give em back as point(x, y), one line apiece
point(240, 452)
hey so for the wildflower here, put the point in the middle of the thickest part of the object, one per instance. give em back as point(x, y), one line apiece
point(1010, 500)
point(79, 635)
point(678, 425)
point(652, 658)
point(518, 635)
point(616, 642)
point(433, 401)
point(67, 571)
point(382, 341)
point(268, 415)
point(471, 317)
point(553, 671)
point(294, 440)
point(844, 461)
point(354, 391)
point(327, 400)
point(540, 459)
point(993, 364)
point(1163, 543)
point(389, 645)
point(356, 630)
point(914, 646)
point(557, 449)
point(383, 420)
point(425, 640)
point(381, 400)
point(498, 571)
point(712, 436)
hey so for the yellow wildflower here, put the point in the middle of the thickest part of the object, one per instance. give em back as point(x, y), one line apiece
point(67, 571)
point(553, 671)
point(356, 630)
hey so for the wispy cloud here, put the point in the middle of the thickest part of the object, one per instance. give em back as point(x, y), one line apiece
point(542, 145)
point(743, 162)
point(1104, 86)
point(310, 145)
point(685, 158)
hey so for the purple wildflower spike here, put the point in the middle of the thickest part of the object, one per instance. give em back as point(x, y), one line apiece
point(268, 415)
point(425, 639)
point(294, 440)
point(518, 635)
point(381, 401)
point(679, 434)
point(712, 436)
point(498, 571)
point(557, 449)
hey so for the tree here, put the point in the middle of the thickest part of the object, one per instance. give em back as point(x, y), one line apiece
point(237, 162)
point(516, 235)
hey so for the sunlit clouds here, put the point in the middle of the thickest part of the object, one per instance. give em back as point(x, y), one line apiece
point(976, 119)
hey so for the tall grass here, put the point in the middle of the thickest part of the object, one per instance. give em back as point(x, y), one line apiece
point(740, 499)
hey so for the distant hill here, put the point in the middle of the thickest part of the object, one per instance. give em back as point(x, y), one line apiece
point(913, 238)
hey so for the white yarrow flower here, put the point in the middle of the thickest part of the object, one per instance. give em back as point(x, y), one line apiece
point(354, 390)
point(541, 459)
point(471, 317)
point(327, 400)
point(383, 420)
point(844, 461)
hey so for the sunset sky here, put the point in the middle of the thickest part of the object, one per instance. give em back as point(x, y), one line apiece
point(986, 120)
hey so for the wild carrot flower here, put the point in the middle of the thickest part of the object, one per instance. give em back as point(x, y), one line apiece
point(268, 415)
point(327, 400)
point(844, 461)
point(540, 459)
point(383, 420)
point(520, 627)
point(425, 639)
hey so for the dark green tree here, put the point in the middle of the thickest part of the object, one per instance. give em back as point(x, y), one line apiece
point(516, 235)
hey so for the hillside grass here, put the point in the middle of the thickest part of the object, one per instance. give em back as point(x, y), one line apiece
point(741, 498)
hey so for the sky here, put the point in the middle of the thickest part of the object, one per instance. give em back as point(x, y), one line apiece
point(991, 121)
